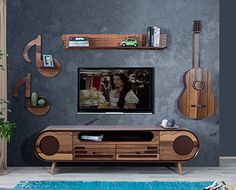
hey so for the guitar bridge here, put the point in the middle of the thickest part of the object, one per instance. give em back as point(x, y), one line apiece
point(198, 106)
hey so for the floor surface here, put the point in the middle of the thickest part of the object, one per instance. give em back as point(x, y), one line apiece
point(226, 172)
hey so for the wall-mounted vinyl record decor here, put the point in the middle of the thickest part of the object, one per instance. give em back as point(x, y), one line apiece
point(37, 105)
point(197, 100)
point(41, 65)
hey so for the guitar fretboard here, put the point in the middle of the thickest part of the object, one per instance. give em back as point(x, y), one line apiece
point(196, 50)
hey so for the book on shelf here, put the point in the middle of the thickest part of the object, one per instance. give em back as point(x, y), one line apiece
point(153, 36)
point(148, 37)
point(78, 42)
point(156, 36)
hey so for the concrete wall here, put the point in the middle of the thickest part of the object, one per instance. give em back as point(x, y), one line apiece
point(27, 19)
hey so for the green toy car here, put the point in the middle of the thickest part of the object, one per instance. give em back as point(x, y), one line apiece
point(130, 41)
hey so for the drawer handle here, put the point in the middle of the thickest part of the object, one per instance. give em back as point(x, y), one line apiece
point(151, 152)
point(149, 147)
point(79, 147)
point(81, 152)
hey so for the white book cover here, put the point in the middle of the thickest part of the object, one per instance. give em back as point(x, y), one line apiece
point(157, 35)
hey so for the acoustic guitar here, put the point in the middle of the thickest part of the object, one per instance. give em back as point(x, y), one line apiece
point(197, 100)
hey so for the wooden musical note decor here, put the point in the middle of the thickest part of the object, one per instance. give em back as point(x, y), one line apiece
point(35, 110)
point(45, 71)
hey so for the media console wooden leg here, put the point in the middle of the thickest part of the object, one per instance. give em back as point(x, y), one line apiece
point(179, 165)
point(53, 167)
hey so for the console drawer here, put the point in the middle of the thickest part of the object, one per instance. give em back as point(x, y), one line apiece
point(94, 152)
point(130, 156)
point(95, 146)
point(137, 152)
point(138, 146)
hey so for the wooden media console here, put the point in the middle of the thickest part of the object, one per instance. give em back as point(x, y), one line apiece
point(68, 143)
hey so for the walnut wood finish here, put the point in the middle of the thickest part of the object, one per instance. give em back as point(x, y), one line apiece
point(168, 150)
point(174, 145)
point(53, 167)
point(112, 41)
point(35, 110)
point(138, 152)
point(82, 128)
point(180, 169)
point(38, 110)
point(197, 104)
point(65, 148)
point(47, 72)
point(197, 100)
point(25, 80)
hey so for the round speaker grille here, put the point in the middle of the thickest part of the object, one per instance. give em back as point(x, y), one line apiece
point(183, 145)
point(49, 145)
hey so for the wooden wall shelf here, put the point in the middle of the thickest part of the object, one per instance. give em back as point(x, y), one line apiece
point(25, 80)
point(35, 110)
point(112, 41)
point(38, 110)
point(47, 72)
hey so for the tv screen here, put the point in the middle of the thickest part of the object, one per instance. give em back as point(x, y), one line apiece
point(115, 90)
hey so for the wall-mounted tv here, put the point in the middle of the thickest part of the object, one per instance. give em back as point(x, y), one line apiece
point(116, 90)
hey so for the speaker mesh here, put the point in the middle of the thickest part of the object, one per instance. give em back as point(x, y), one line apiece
point(183, 145)
point(49, 145)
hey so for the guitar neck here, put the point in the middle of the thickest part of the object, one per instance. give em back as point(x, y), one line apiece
point(196, 50)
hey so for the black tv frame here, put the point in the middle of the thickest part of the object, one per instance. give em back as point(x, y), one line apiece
point(120, 111)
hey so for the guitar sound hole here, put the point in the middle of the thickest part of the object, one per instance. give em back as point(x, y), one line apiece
point(198, 85)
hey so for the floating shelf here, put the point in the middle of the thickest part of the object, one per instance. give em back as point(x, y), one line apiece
point(38, 110)
point(47, 72)
point(112, 41)
point(35, 110)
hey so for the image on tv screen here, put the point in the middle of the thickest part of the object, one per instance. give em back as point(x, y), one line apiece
point(115, 90)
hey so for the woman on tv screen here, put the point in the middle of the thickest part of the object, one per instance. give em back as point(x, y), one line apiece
point(115, 89)
point(122, 95)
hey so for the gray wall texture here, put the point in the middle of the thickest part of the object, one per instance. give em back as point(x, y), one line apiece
point(26, 19)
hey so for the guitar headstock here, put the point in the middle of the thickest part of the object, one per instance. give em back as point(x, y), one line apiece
point(197, 26)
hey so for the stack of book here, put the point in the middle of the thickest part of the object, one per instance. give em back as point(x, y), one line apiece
point(153, 36)
point(78, 42)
